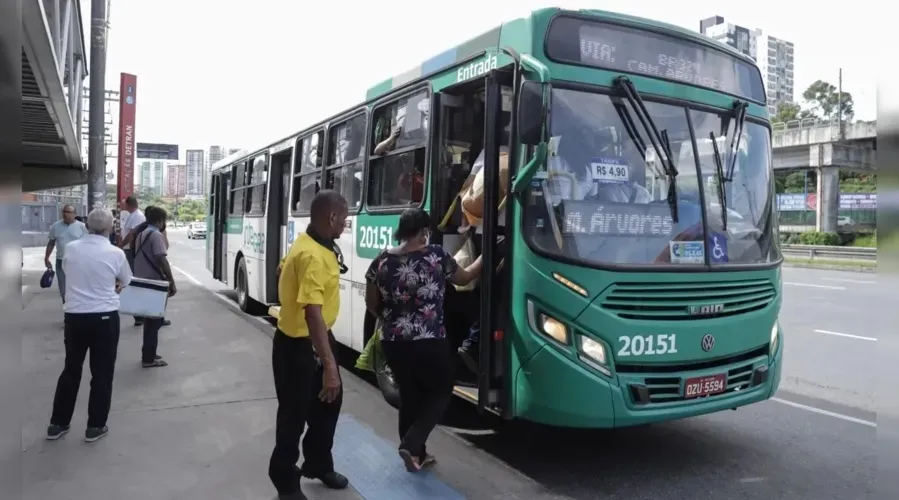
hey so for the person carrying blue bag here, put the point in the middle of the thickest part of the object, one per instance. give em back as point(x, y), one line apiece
point(63, 232)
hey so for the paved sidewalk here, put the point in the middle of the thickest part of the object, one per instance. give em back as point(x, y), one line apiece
point(203, 427)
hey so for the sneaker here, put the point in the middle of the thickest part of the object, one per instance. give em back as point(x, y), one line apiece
point(55, 432)
point(94, 433)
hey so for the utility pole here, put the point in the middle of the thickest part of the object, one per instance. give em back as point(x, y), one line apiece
point(96, 152)
point(840, 103)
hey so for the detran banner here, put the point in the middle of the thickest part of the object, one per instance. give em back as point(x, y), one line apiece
point(127, 102)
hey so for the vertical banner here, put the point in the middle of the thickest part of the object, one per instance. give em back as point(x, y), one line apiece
point(127, 99)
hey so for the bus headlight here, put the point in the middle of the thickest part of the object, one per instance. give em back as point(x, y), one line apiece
point(553, 328)
point(593, 349)
point(775, 337)
point(546, 324)
point(593, 353)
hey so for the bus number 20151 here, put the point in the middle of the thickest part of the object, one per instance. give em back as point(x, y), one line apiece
point(647, 345)
point(375, 237)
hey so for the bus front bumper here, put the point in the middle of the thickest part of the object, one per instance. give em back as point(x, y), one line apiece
point(570, 394)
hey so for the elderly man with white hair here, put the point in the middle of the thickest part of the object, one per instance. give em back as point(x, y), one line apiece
point(96, 272)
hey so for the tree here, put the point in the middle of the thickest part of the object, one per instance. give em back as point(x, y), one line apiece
point(788, 111)
point(824, 101)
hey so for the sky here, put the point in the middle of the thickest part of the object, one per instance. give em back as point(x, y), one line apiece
point(244, 74)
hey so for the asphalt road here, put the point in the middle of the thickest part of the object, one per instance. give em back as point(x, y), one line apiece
point(817, 440)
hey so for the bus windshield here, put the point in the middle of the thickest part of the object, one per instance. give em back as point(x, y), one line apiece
point(603, 198)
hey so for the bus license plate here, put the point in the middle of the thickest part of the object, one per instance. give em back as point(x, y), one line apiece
point(697, 387)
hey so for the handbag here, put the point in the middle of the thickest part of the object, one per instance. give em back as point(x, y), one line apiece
point(47, 278)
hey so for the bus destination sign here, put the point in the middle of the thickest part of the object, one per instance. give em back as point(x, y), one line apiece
point(635, 51)
point(592, 218)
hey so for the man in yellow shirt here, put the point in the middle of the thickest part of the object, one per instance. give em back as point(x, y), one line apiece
point(307, 379)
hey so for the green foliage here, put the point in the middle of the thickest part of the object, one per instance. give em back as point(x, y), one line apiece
point(823, 100)
point(182, 210)
point(820, 238)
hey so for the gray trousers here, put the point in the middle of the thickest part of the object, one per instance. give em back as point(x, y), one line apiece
point(61, 280)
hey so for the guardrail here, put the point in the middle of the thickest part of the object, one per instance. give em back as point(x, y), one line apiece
point(828, 252)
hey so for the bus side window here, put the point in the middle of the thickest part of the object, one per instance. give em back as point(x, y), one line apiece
point(396, 176)
point(307, 173)
point(343, 172)
point(238, 186)
point(257, 182)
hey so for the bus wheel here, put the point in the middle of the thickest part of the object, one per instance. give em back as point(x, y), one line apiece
point(244, 301)
point(386, 381)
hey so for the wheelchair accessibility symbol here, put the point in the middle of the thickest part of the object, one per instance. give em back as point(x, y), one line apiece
point(718, 246)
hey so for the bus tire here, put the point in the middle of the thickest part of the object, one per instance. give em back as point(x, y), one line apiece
point(386, 381)
point(244, 301)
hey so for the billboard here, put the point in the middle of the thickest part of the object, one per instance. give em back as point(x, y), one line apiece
point(128, 98)
point(153, 151)
point(848, 201)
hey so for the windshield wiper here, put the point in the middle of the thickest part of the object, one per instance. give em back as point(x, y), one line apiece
point(719, 173)
point(739, 120)
point(659, 141)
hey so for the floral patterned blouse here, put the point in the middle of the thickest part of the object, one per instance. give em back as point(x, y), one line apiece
point(412, 287)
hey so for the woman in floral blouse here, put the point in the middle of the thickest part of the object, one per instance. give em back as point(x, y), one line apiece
point(406, 287)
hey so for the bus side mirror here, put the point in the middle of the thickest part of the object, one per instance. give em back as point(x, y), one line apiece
point(533, 129)
point(532, 112)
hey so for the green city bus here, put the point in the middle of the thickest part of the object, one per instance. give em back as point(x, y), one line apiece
point(641, 263)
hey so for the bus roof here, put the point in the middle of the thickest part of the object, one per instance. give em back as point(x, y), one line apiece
point(490, 40)
point(518, 30)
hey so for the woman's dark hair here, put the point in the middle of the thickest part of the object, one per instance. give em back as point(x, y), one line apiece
point(412, 221)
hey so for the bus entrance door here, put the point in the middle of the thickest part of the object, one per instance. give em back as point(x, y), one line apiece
point(219, 225)
point(276, 220)
point(491, 356)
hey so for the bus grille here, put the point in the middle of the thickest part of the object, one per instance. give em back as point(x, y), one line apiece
point(675, 301)
point(669, 389)
point(654, 384)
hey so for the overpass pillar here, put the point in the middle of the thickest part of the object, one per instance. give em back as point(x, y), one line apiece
point(828, 199)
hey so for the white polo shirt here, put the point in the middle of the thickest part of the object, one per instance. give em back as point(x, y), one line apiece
point(131, 220)
point(92, 266)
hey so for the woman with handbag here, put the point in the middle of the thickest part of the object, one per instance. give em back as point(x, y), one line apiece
point(405, 289)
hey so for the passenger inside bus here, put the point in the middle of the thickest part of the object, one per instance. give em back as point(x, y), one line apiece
point(406, 168)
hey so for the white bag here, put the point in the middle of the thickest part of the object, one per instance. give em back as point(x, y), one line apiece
point(144, 298)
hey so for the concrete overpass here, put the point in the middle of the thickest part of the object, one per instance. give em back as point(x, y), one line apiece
point(815, 144)
point(810, 144)
point(54, 67)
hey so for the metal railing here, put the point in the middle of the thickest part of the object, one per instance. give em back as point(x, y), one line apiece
point(815, 131)
point(813, 252)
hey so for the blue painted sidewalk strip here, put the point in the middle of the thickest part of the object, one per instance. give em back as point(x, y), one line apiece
point(376, 471)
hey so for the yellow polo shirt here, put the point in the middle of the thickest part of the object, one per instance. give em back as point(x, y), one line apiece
point(309, 276)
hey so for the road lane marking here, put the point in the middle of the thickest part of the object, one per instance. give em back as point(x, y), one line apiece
point(195, 281)
point(847, 335)
point(819, 411)
point(811, 285)
point(846, 280)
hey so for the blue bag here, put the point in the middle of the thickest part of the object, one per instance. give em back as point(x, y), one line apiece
point(47, 278)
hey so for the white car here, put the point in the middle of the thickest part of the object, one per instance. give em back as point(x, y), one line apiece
point(196, 230)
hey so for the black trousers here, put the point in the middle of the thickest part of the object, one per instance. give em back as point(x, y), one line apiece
point(424, 373)
point(298, 381)
point(151, 339)
point(99, 334)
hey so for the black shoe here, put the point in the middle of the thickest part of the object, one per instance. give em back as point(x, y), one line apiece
point(468, 359)
point(166, 322)
point(55, 432)
point(138, 322)
point(333, 480)
point(94, 433)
